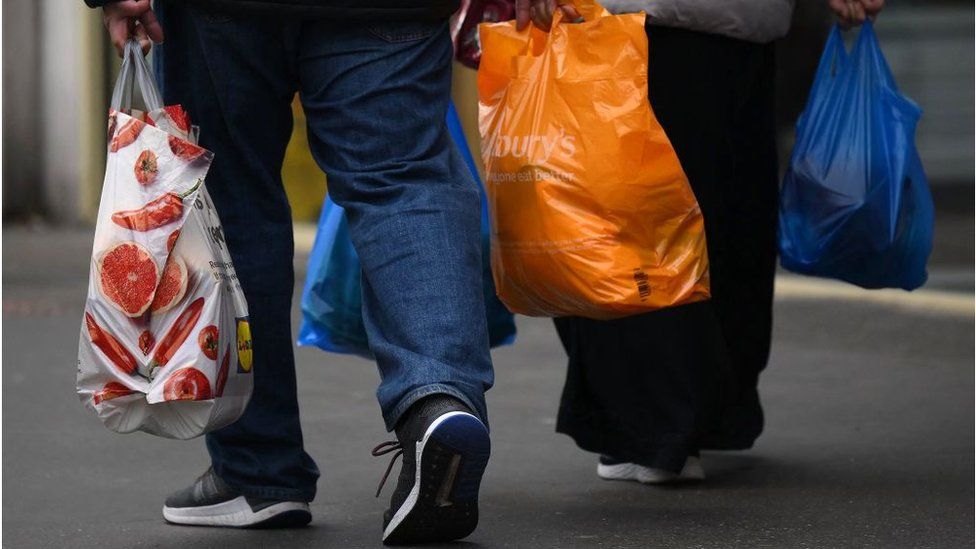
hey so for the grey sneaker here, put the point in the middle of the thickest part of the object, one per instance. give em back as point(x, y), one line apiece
point(445, 450)
point(209, 501)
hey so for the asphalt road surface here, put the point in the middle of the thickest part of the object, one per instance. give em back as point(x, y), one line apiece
point(869, 439)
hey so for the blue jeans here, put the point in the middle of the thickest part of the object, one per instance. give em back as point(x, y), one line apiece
point(375, 96)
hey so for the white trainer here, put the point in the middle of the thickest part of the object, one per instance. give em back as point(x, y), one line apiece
point(608, 469)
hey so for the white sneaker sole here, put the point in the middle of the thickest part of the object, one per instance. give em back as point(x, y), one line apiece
point(691, 471)
point(235, 513)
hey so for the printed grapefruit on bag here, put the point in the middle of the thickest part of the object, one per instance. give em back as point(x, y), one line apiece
point(172, 285)
point(127, 275)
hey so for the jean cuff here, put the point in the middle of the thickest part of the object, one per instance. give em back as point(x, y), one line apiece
point(392, 416)
point(265, 492)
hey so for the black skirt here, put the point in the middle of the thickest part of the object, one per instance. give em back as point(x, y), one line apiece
point(655, 388)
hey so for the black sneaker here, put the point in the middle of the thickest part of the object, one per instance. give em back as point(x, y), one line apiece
point(209, 501)
point(445, 451)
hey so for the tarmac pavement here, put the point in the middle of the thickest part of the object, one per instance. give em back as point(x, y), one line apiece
point(869, 438)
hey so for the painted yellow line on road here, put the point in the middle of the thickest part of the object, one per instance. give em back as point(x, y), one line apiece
point(790, 287)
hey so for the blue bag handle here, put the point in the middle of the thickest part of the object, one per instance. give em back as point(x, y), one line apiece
point(833, 64)
point(868, 48)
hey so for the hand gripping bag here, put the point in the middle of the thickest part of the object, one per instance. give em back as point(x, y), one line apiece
point(592, 214)
point(165, 343)
point(855, 203)
point(332, 315)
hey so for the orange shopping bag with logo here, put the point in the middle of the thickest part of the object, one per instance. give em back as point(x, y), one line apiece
point(591, 212)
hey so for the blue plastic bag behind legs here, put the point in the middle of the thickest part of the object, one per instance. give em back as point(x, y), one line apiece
point(855, 203)
point(332, 299)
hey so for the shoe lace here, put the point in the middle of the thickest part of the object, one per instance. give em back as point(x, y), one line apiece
point(383, 449)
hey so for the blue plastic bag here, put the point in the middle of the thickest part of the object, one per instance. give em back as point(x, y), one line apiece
point(855, 203)
point(332, 299)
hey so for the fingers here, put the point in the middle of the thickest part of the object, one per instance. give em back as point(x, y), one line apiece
point(118, 31)
point(858, 17)
point(839, 7)
point(844, 12)
point(129, 8)
point(126, 19)
point(847, 20)
point(152, 27)
point(140, 35)
point(852, 13)
point(542, 14)
point(873, 7)
point(522, 14)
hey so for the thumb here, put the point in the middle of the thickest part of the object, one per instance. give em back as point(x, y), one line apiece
point(570, 13)
point(153, 29)
point(140, 35)
point(522, 14)
point(872, 7)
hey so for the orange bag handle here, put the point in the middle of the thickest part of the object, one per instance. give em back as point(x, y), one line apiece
point(589, 10)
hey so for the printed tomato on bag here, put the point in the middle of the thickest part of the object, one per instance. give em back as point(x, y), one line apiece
point(165, 343)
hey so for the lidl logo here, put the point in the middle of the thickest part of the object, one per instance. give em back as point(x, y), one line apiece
point(245, 355)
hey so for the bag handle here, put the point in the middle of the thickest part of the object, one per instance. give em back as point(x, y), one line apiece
point(589, 10)
point(134, 67)
point(868, 47)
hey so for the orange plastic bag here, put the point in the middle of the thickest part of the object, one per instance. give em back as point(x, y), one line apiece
point(591, 212)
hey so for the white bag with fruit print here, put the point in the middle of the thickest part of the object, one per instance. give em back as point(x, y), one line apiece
point(165, 341)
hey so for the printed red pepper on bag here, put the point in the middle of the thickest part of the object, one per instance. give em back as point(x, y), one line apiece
point(176, 115)
point(184, 149)
point(161, 211)
point(222, 373)
point(111, 347)
point(112, 389)
point(146, 341)
point(176, 335)
point(113, 120)
point(127, 134)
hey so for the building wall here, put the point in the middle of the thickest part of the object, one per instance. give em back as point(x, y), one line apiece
point(53, 95)
point(21, 81)
point(930, 50)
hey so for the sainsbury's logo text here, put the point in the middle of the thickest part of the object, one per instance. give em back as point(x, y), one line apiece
point(539, 147)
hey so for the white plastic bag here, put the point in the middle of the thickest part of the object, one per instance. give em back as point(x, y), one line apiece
point(165, 341)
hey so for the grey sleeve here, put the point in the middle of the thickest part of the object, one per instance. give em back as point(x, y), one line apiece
point(752, 20)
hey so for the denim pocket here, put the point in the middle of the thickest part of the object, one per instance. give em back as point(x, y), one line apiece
point(405, 31)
